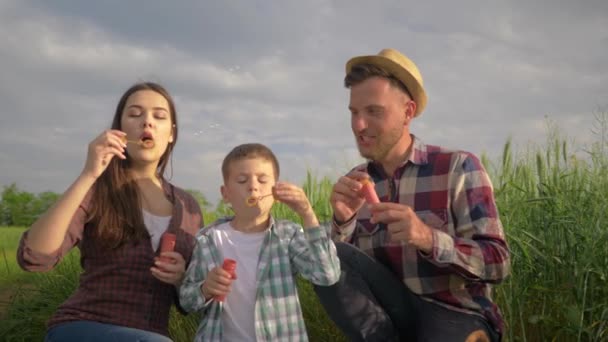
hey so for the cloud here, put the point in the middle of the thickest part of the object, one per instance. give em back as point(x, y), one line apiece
point(271, 72)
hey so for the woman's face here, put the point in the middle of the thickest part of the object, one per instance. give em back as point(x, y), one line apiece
point(147, 121)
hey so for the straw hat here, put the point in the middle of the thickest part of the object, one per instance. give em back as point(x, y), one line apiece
point(399, 66)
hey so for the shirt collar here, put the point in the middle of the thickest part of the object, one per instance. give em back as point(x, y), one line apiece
point(418, 156)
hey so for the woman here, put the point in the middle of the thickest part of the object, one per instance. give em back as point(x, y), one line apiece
point(116, 212)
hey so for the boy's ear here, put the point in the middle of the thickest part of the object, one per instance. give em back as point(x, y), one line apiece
point(224, 194)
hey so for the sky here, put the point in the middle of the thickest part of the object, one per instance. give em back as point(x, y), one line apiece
point(272, 72)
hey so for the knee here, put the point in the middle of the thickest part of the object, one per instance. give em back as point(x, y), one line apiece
point(478, 336)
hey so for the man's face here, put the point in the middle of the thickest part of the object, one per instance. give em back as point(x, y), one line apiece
point(378, 119)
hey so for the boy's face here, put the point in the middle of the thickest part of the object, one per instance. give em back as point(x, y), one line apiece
point(246, 178)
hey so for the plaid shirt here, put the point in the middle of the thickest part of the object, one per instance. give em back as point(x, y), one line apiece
point(287, 249)
point(117, 286)
point(451, 193)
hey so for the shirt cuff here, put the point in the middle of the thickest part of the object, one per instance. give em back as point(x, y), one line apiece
point(344, 229)
point(443, 248)
point(35, 261)
point(315, 233)
point(206, 302)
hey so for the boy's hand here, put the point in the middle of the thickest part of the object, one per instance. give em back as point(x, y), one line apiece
point(218, 283)
point(294, 197)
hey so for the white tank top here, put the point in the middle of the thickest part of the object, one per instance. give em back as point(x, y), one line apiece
point(156, 226)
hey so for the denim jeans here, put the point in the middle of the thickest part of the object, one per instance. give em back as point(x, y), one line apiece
point(88, 331)
point(369, 303)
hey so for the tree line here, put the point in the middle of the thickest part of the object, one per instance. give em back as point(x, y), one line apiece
point(22, 208)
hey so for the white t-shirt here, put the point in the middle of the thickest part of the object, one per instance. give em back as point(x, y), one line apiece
point(156, 226)
point(238, 317)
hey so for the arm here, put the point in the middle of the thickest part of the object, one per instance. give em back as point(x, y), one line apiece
point(192, 220)
point(191, 296)
point(55, 233)
point(479, 251)
point(314, 255)
point(346, 200)
point(343, 231)
point(311, 251)
point(47, 236)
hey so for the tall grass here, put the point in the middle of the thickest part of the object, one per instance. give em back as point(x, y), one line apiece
point(10, 273)
point(553, 204)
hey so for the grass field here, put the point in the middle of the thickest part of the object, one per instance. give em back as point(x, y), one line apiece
point(553, 204)
point(11, 276)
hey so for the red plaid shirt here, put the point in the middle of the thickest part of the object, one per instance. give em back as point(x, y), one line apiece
point(117, 287)
point(450, 192)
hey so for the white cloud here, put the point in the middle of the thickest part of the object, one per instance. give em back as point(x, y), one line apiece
point(272, 72)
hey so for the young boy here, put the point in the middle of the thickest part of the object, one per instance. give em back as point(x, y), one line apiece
point(261, 303)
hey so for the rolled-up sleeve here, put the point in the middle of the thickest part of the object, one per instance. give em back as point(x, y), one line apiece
point(479, 251)
point(33, 261)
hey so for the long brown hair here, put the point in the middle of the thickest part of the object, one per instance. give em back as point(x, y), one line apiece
point(116, 212)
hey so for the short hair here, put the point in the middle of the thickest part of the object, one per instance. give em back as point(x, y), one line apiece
point(249, 151)
point(361, 72)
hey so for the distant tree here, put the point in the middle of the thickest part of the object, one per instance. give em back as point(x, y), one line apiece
point(200, 198)
point(22, 208)
point(43, 202)
point(3, 214)
point(17, 206)
point(223, 209)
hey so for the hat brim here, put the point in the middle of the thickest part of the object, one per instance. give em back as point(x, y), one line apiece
point(413, 86)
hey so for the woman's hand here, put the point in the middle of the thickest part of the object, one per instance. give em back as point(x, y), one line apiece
point(102, 149)
point(171, 271)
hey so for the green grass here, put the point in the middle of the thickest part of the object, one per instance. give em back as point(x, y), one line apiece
point(553, 206)
point(9, 270)
point(11, 275)
point(553, 203)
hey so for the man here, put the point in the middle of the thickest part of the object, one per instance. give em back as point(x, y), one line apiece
point(418, 265)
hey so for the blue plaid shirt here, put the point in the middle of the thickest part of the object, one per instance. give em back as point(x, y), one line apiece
point(287, 249)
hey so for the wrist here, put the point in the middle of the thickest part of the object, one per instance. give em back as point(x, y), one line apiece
point(425, 244)
point(204, 293)
point(87, 178)
point(310, 219)
point(340, 222)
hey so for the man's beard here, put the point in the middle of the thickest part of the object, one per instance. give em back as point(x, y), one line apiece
point(383, 145)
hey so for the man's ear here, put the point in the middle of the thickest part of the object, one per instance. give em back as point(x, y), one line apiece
point(410, 111)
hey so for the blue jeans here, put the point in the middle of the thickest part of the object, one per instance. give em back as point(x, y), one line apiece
point(88, 331)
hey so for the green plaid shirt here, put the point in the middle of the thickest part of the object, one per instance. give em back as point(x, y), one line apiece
point(287, 249)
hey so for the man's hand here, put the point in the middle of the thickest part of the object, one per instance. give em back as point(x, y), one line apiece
point(346, 198)
point(403, 225)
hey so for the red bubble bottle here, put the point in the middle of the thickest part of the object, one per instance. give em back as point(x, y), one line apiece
point(369, 191)
point(230, 267)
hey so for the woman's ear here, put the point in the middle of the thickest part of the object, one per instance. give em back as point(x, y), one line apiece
point(171, 136)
